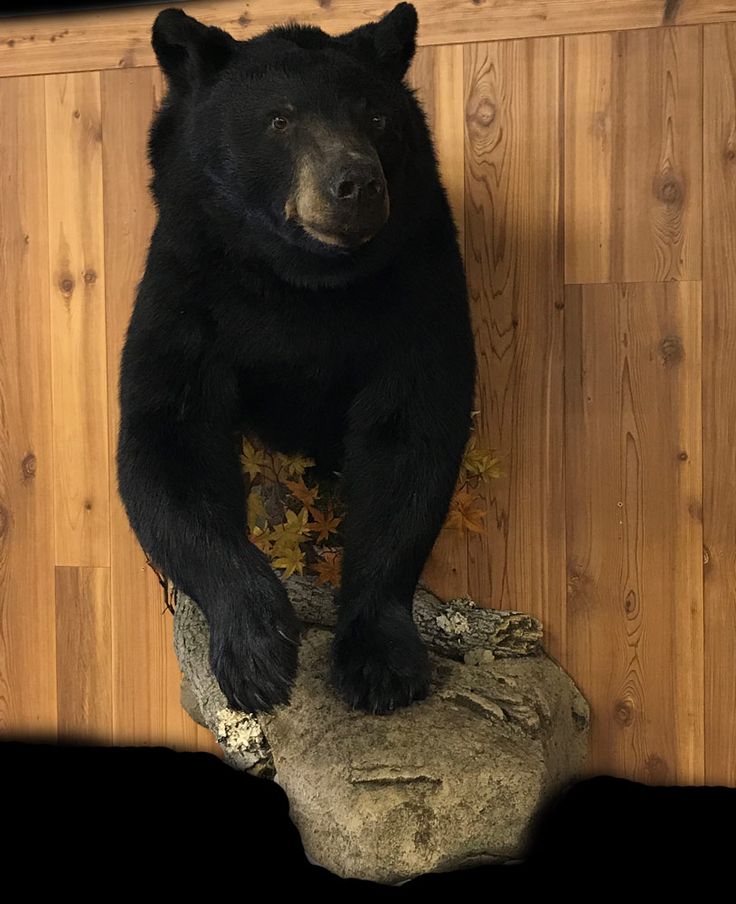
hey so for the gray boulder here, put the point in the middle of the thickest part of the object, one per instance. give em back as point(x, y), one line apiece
point(451, 781)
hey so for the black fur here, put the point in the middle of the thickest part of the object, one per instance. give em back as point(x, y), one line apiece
point(362, 358)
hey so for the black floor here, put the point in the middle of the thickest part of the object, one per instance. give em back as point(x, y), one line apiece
point(107, 820)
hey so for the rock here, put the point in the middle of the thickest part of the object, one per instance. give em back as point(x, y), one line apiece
point(451, 781)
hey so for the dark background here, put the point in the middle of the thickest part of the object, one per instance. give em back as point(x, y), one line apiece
point(48, 6)
point(123, 813)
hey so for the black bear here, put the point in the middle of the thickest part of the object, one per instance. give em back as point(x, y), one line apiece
point(303, 286)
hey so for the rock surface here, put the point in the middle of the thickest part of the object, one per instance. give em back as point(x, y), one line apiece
point(448, 782)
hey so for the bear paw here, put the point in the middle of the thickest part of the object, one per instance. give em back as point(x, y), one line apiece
point(380, 667)
point(254, 660)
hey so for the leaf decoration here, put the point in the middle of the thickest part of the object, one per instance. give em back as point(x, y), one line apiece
point(295, 519)
point(328, 567)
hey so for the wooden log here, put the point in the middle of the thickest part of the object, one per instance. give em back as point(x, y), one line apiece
point(452, 629)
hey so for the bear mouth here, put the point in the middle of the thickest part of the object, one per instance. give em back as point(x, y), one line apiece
point(345, 239)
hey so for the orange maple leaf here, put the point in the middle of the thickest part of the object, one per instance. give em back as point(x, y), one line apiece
point(324, 523)
point(465, 514)
point(306, 495)
point(328, 568)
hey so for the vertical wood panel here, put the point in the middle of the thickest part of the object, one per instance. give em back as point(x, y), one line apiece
point(437, 75)
point(633, 121)
point(146, 675)
point(719, 401)
point(27, 632)
point(83, 648)
point(634, 524)
point(77, 295)
point(514, 264)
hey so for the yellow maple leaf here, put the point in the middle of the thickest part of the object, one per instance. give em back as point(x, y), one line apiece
point(256, 510)
point(296, 465)
point(291, 560)
point(328, 568)
point(306, 495)
point(324, 523)
point(464, 513)
point(479, 462)
point(262, 539)
point(294, 529)
point(252, 459)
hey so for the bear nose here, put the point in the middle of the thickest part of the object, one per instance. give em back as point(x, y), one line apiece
point(358, 183)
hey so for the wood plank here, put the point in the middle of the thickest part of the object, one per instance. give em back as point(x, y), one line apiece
point(514, 263)
point(634, 525)
point(27, 625)
point(77, 298)
point(83, 654)
point(120, 38)
point(146, 674)
point(719, 401)
point(437, 76)
point(633, 170)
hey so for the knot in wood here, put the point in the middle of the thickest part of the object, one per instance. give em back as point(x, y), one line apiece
point(630, 603)
point(671, 351)
point(28, 466)
point(669, 190)
point(623, 713)
point(484, 113)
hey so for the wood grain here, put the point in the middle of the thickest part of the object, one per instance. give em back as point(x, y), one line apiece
point(634, 525)
point(120, 38)
point(719, 400)
point(514, 266)
point(83, 654)
point(146, 674)
point(437, 76)
point(77, 298)
point(27, 626)
point(633, 168)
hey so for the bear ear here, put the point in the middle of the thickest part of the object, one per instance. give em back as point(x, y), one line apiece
point(189, 52)
point(388, 44)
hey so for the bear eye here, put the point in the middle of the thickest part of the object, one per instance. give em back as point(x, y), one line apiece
point(378, 121)
point(279, 123)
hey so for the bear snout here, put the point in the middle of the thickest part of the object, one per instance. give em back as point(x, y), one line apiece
point(340, 200)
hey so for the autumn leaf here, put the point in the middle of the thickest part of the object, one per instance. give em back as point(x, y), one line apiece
point(294, 529)
point(256, 510)
point(465, 514)
point(296, 465)
point(479, 462)
point(306, 495)
point(252, 459)
point(328, 568)
point(262, 539)
point(291, 560)
point(324, 523)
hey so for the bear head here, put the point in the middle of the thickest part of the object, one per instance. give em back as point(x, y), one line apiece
point(295, 147)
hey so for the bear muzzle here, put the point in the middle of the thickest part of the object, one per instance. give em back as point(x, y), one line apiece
point(343, 203)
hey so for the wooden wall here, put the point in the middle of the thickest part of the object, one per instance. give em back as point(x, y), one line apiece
point(589, 150)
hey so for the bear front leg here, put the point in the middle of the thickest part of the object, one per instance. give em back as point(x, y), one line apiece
point(403, 454)
point(185, 497)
